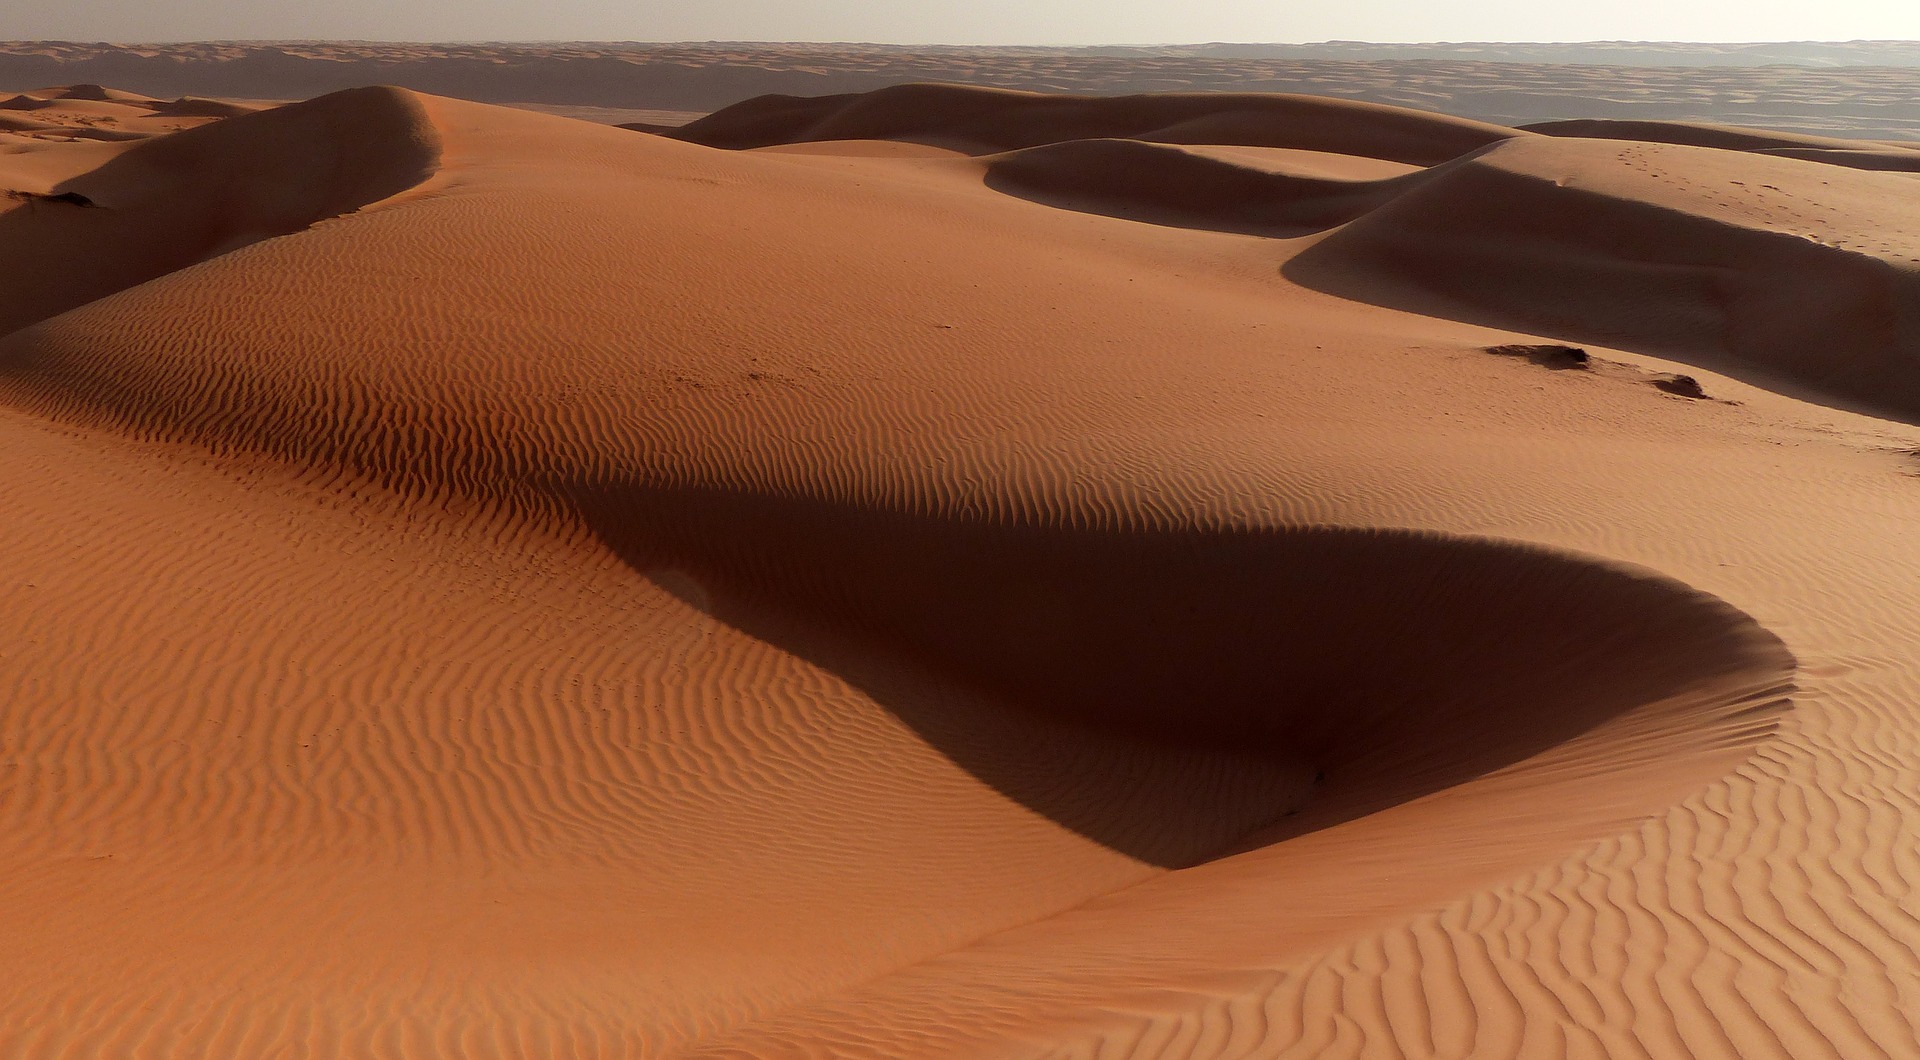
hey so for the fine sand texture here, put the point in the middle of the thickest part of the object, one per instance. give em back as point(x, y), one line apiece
point(953, 572)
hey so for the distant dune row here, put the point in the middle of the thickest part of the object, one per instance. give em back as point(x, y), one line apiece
point(1863, 89)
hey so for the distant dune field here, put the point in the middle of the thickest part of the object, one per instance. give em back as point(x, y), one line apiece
point(952, 571)
point(1863, 89)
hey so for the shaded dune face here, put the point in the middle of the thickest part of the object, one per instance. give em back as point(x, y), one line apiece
point(1361, 668)
point(996, 119)
point(1167, 184)
point(1695, 134)
point(169, 202)
point(1658, 247)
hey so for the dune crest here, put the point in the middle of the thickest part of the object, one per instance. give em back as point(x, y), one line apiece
point(1731, 248)
point(1001, 119)
point(165, 203)
point(1785, 271)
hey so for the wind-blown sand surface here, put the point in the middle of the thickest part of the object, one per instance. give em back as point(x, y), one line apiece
point(953, 572)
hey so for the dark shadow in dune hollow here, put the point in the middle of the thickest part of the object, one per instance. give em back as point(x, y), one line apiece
point(1168, 692)
point(1467, 242)
point(1773, 309)
point(1826, 332)
point(1164, 184)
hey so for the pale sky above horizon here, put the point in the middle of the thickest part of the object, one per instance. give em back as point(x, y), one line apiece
point(976, 22)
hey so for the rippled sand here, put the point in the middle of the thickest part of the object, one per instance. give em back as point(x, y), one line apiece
point(953, 572)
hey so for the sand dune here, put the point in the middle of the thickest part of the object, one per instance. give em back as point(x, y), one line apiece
point(165, 203)
point(1856, 154)
point(1696, 134)
point(480, 583)
point(962, 116)
point(1774, 269)
point(1197, 188)
point(92, 112)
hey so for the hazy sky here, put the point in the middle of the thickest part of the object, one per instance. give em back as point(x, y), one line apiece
point(975, 22)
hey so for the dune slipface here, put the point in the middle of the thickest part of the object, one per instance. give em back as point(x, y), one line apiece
point(1759, 254)
point(1783, 268)
point(1154, 182)
point(166, 203)
point(517, 587)
point(1317, 650)
point(1001, 119)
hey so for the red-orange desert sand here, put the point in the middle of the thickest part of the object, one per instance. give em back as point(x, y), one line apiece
point(969, 574)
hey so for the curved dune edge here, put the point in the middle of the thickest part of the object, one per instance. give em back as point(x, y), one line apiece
point(1372, 666)
point(1684, 251)
point(1170, 184)
point(1676, 249)
point(1422, 700)
point(169, 202)
point(1332, 874)
point(1002, 119)
point(1410, 809)
point(1780, 259)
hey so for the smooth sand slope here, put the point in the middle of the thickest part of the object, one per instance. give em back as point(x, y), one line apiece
point(485, 584)
point(966, 116)
point(1712, 247)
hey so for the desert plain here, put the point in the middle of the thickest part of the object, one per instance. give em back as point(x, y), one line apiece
point(955, 570)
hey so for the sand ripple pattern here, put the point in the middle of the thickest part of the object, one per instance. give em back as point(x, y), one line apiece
point(614, 599)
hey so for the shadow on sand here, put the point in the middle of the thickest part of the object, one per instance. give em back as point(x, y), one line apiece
point(1165, 692)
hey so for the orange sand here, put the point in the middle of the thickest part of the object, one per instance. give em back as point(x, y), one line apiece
point(1072, 579)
